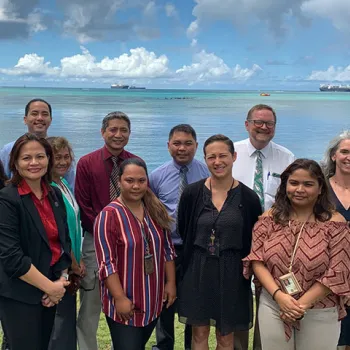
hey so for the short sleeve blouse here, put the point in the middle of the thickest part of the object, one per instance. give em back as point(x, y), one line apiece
point(323, 255)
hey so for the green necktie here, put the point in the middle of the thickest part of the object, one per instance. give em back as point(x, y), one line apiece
point(258, 178)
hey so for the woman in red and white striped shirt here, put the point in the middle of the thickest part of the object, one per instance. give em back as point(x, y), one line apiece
point(135, 255)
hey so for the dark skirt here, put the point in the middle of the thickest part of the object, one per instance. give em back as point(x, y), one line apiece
point(214, 292)
point(345, 330)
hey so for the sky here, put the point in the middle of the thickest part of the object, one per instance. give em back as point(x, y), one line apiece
point(192, 44)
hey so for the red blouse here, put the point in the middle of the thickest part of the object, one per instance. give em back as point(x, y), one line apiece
point(322, 255)
point(47, 218)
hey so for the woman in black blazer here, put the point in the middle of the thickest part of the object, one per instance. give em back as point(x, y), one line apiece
point(2, 184)
point(34, 246)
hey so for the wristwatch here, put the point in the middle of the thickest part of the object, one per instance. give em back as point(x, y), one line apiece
point(65, 276)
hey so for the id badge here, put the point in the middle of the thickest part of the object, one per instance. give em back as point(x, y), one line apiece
point(213, 246)
point(290, 284)
point(149, 267)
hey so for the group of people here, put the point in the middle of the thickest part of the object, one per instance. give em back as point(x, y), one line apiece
point(184, 239)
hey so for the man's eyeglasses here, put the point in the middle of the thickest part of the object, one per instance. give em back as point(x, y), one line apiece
point(260, 123)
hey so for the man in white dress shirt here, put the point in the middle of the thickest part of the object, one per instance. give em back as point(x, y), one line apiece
point(259, 165)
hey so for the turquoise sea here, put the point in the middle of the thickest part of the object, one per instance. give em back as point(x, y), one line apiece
point(306, 121)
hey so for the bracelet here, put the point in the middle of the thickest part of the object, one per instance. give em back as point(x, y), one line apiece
point(274, 293)
point(65, 276)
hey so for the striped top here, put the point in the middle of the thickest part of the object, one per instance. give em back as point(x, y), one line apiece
point(120, 249)
point(323, 255)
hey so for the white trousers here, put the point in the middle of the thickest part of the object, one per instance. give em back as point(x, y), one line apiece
point(319, 330)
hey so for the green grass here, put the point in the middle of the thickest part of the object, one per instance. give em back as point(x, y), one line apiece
point(104, 339)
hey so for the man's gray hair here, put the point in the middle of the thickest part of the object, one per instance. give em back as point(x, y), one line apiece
point(328, 164)
point(115, 115)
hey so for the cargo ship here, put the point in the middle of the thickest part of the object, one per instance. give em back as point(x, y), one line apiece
point(119, 86)
point(137, 87)
point(336, 88)
point(126, 87)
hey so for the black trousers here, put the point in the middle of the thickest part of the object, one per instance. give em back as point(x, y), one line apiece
point(64, 333)
point(26, 326)
point(4, 345)
point(128, 337)
point(165, 327)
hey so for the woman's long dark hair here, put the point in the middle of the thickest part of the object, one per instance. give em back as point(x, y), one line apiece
point(282, 208)
point(153, 205)
point(16, 149)
point(3, 177)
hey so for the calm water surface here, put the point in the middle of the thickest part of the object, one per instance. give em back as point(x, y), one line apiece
point(305, 121)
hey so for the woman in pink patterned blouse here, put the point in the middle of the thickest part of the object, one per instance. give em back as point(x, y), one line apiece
point(300, 257)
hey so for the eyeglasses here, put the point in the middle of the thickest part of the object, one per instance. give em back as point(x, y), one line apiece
point(260, 123)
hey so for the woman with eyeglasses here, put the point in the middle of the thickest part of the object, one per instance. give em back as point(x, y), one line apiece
point(64, 335)
point(135, 258)
point(34, 246)
point(300, 257)
point(337, 171)
point(215, 221)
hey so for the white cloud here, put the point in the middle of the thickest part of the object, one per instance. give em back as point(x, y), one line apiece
point(35, 23)
point(150, 9)
point(31, 65)
point(192, 30)
point(19, 19)
point(140, 63)
point(245, 73)
point(170, 10)
point(242, 12)
point(194, 43)
point(274, 13)
point(331, 74)
point(90, 20)
point(209, 67)
point(338, 11)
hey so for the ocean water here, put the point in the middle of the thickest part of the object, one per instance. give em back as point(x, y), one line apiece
point(306, 121)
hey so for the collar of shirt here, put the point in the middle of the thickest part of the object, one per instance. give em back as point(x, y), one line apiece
point(23, 188)
point(264, 151)
point(178, 166)
point(107, 154)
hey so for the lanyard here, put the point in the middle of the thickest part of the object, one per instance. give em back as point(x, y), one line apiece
point(215, 219)
point(146, 237)
point(297, 242)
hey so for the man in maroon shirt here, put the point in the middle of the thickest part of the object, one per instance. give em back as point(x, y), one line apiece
point(96, 184)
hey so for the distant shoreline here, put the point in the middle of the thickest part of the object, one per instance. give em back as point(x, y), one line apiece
point(156, 89)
